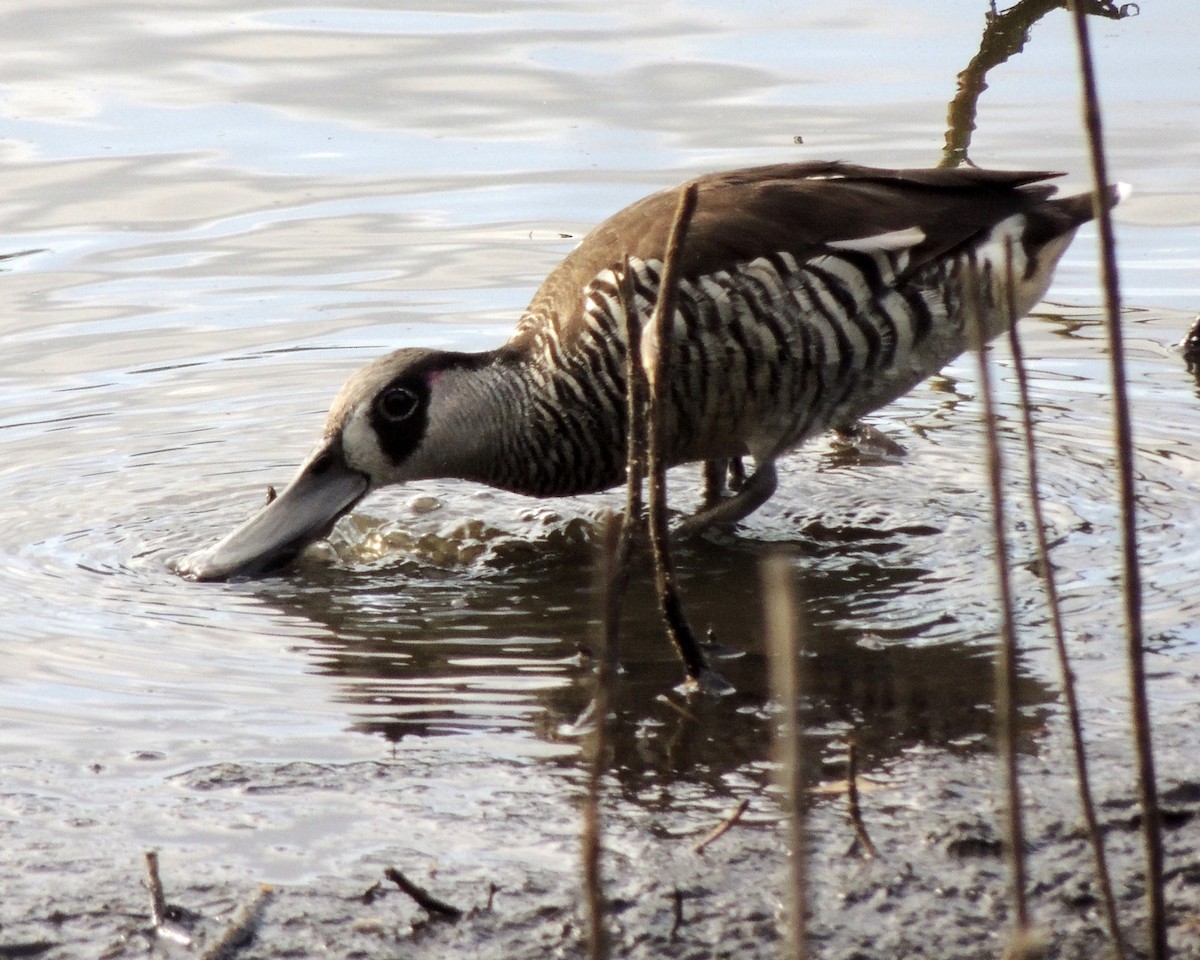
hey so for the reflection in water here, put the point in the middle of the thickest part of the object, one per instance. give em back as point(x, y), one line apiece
point(1004, 35)
point(505, 646)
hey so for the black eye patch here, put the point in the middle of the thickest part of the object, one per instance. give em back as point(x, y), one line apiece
point(400, 414)
point(397, 403)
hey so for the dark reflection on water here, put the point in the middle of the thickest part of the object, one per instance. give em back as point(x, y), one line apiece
point(507, 646)
point(1004, 36)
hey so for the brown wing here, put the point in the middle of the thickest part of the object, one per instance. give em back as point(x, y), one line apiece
point(796, 208)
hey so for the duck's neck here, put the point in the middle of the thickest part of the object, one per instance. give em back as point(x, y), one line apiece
point(531, 424)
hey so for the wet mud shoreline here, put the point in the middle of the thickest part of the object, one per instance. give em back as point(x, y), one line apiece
point(938, 888)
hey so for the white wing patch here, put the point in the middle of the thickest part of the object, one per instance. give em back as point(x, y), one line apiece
point(889, 242)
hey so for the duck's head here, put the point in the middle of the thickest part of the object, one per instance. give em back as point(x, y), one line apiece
point(378, 432)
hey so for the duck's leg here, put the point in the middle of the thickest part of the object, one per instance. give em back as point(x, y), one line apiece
point(712, 488)
point(754, 491)
point(736, 476)
point(721, 476)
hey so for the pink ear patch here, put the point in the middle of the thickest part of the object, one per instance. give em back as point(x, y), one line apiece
point(433, 376)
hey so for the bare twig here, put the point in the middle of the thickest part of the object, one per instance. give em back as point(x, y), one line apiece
point(1006, 654)
point(240, 928)
point(656, 356)
point(1050, 584)
point(1126, 494)
point(783, 635)
point(677, 707)
point(723, 827)
point(856, 818)
point(423, 897)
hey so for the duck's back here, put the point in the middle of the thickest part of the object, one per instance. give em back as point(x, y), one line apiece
point(810, 294)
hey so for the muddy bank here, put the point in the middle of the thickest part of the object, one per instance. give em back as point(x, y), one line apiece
point(502, 846)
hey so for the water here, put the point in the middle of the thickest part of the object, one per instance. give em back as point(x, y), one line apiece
point(215, 212)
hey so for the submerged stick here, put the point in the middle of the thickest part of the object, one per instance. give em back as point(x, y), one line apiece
point(677, 918)
point(723, 827)
point(656, 357)
point(1006, 654)
point(784, 643)
point(1123, 432)
point(1050, 584)
point(422, 896)
point(241, 926)
point(158, 900)
point(163, 927)
point(856, 818)
point(614, 535)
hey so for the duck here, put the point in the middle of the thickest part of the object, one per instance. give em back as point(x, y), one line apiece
point(809, 295)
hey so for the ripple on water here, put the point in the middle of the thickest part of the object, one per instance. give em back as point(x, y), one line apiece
point(449, 608)
point(209, 232)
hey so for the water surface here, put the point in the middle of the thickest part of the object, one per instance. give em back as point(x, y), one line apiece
point(214, 213)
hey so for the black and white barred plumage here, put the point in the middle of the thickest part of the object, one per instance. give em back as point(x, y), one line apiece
point(810, 294)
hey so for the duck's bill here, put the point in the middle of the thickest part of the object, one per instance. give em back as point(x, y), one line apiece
point(324, 490)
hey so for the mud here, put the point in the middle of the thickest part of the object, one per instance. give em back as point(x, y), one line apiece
point(939, 887)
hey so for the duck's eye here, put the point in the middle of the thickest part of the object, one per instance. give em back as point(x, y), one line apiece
point(397, 403)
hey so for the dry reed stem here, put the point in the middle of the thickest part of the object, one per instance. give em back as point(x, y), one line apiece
point(1006, 654)
point(635, 464)
point(784, 636)
point(1123, 431)
point(659, 374)
point(1050, 584)
point(636, 389)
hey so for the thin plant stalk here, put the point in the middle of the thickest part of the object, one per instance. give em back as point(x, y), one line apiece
point(1006, 655)
point(1123, 431)
point(617, 571)
point(616, 552)
point(1050, 584)
point(636, 390)
point(784, 636)
point(656, 355)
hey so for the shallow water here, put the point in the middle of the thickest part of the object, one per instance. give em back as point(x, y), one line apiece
point(214, 213)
